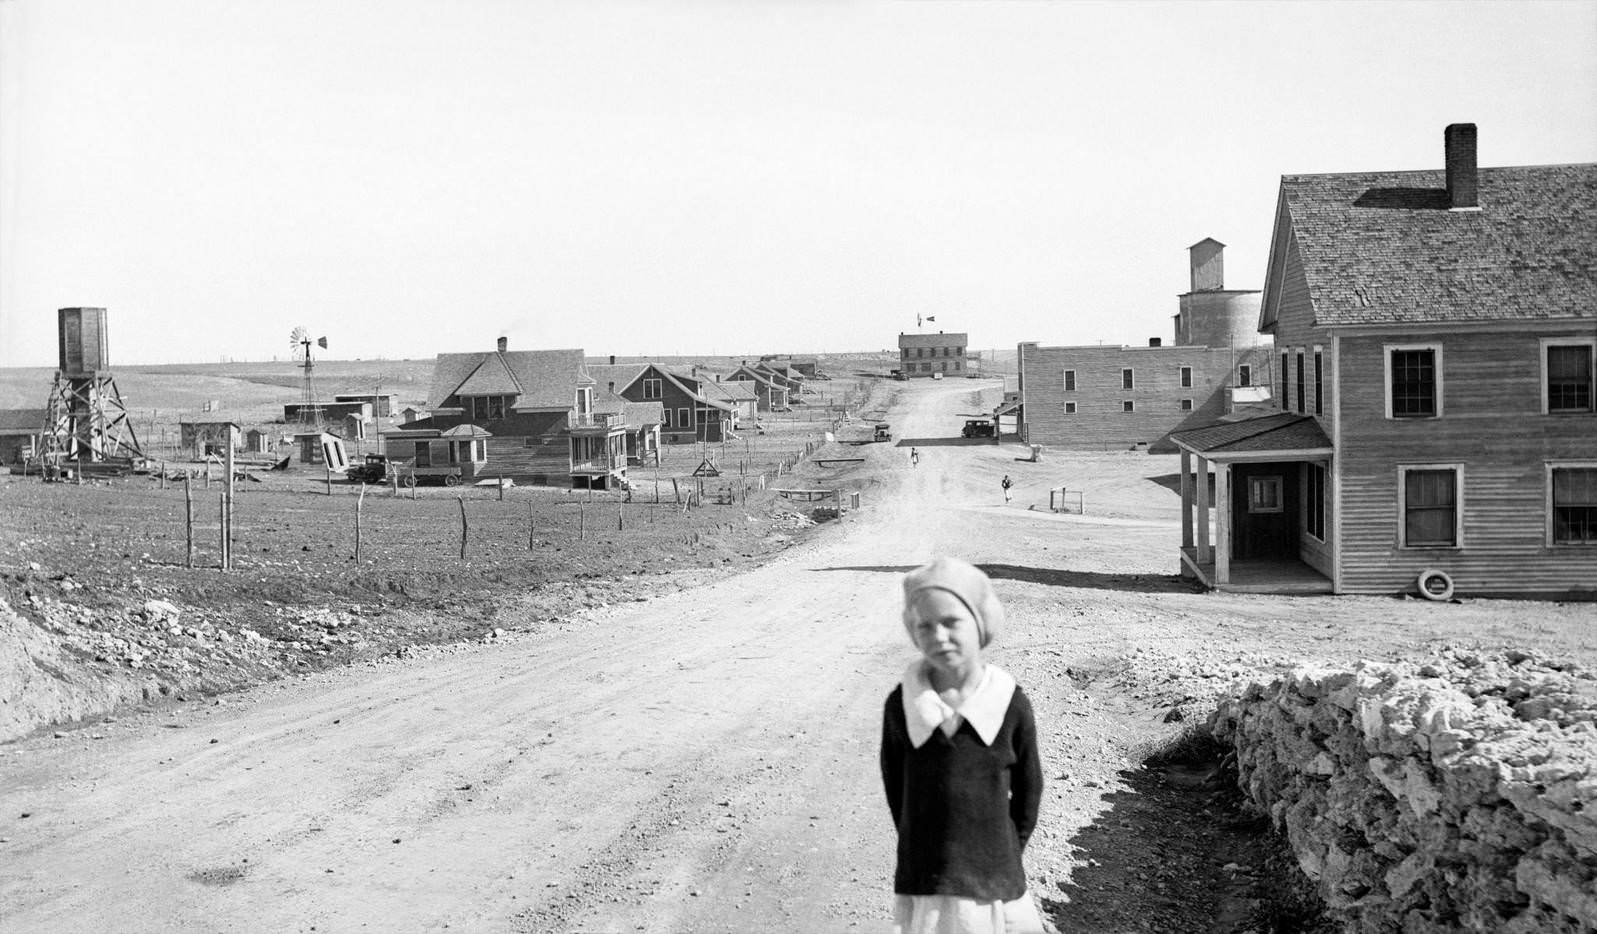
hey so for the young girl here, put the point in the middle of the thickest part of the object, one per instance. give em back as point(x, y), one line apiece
point(960, 764)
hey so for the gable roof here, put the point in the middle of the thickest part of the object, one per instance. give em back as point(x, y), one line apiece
point(734, 389)
point(1281, 431)
point(541, 378)
point(622, 374)
point(1383, 248)
point(762, 377)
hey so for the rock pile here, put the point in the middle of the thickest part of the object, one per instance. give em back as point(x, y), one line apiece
point(1460, 794)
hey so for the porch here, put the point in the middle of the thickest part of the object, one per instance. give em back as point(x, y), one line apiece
point(1265, 504)
point(1257, 575)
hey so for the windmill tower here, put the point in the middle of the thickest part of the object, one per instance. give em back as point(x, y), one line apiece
point(85, 420)
point(310, 410)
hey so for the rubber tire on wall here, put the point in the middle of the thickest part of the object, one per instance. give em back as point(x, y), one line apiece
point(1431, 576)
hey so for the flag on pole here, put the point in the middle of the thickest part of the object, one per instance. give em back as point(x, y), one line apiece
point(931, 317)
point(321, 342)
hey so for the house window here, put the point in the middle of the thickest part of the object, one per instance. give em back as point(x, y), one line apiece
point(1319, 385)
point(956, 366)
point(1314, 502)
point(1127, 406)
point(920, 352)
point(1070, 408)
point(1264, 494)
point(1414, 381)
point(1186, 377)
point(1567, 383)
point(1429, 501)
point(1070, 381)
point(424, 454)
point(496, 406)
point(683, 419)
point(1186, 405)
point(1574, 505)
point(945, 351)
point(959, 351)
point(652, 388)
point(906, 353)
point(1245, 375)
point(1126, 380)
point(584, 400)
point(665, 417)
point(1301, 407)
point(1285, 381)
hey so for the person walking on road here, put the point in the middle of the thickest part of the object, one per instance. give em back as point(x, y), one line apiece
point(1006, 483)
point(959, 764)
point(914, 457)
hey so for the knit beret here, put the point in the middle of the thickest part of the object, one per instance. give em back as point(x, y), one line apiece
point(965, 581)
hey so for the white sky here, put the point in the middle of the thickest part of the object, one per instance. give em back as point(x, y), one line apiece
point(416, 176)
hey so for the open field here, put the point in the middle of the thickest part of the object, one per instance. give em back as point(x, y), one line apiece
point(698, 755)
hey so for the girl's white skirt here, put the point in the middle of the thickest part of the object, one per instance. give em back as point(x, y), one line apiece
point(950, 914)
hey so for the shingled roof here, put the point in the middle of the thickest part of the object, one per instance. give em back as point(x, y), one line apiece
point(1383, 248)
point(538, 378)
point(1282, 431)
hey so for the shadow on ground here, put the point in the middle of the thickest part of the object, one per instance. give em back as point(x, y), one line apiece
point(955, 442)
point(1058, 577)
point(1175, 853)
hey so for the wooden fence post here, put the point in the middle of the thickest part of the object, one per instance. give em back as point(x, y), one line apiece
point(221, 531)
point(501, 489)
point(676, 491)
point(359, 500)
point(529, 525)
point(163, 475)
point(329, 478)
point(463, 527)
point(621, 517)
point(582, 521)
point(227, 524)
point(188, 522)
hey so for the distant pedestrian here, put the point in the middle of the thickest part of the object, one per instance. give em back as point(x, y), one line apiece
point(959, 764)
point(914, 458)
point(1006, 483)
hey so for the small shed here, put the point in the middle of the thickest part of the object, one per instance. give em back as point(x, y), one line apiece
point(205, 437)
point(322, 448)
point(354, 427)
point(19, 433)
point(411, 413)
point(257, 441)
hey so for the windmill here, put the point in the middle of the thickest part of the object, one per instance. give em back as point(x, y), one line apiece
point(300, 341)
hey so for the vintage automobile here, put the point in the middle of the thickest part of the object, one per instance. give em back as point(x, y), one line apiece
point(978, 428)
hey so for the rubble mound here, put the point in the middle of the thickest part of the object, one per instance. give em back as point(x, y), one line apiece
point(1451, 795)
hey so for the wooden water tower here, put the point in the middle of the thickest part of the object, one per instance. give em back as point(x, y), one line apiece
point(85, 420)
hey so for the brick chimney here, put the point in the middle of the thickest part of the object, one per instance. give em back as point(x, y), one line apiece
point(504, 343)
point(612, 359)
point(1459, 140)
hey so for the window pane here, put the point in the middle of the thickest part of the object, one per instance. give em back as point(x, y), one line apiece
point(1430, 500)
point(1569, 379)
point(1413, 383)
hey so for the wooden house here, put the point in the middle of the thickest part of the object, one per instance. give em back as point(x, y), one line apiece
point(770, 390)
point(1435, 334)
point(19, 433)
point(205, 437)
point(687, 414)
point(537, 411)
point(739, 395)
point(257, 441)
point(381, 403)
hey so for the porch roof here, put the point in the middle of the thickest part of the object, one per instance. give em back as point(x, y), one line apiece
point(1281, 432)
point(466, 431)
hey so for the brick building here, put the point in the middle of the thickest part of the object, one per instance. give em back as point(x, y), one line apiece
point(925, 355)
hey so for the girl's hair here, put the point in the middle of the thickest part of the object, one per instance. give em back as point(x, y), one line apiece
point(963, 580)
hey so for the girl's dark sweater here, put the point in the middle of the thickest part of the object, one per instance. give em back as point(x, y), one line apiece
point(964, 810)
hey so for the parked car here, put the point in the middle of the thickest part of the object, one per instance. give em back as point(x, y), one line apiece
point(883, 432)
point(978, 428)
point(372, 470)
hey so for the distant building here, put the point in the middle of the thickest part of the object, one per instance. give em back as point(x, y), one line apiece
point(19, 433)
point(924, 355)
point(1098, 397)
point(257, 441)
point(330, 413)
point(382, 404)
point(205, 437)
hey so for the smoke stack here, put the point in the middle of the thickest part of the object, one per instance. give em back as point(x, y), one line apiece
point(504, 342)
point(1459, 142)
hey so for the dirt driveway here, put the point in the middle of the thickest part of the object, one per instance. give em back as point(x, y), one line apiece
point(702, 761)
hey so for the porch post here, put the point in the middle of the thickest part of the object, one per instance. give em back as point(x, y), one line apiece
point(1222, 524)
point(1202, 479)
point(1186, 499)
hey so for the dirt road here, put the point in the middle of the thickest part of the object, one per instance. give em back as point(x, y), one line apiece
point(704, 761)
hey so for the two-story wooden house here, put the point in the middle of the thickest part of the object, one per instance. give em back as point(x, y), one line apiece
point(770, 391)
point(687, 414)
point(533, 413)
point(1435, 334)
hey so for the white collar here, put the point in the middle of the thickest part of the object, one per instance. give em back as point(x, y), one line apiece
point(985, 708)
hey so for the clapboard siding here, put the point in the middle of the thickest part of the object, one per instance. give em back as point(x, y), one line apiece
point(1100, 421)
point(547, 458)
point(1493, 427)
